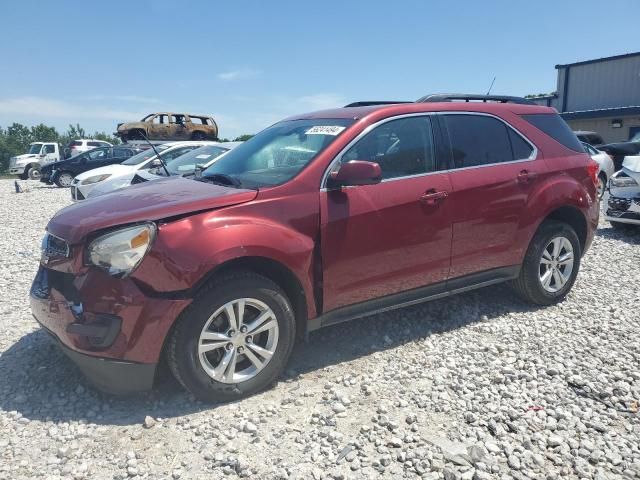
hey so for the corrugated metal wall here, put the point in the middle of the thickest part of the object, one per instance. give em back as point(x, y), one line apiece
point(607, 84)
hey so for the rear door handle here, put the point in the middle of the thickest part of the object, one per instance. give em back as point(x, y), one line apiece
point(525, 176)
point(433, 197)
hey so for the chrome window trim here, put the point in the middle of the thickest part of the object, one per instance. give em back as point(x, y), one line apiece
point(338, 157)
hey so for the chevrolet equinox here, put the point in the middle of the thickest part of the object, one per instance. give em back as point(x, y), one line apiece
point(320, 218)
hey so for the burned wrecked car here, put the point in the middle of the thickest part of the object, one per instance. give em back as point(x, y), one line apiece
point(169, 126)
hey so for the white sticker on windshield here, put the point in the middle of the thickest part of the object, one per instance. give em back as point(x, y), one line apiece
point(203, 155)
point(325, 130)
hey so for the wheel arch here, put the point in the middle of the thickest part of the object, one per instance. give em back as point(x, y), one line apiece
point(573, 217)
point(275, 271)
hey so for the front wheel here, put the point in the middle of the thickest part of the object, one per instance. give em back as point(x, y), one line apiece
point(234, 340)
point(33, 173)
point(550, 265)
point(64, 179)
point(602, 185)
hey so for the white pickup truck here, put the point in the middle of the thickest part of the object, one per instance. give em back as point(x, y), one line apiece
point(27, 166)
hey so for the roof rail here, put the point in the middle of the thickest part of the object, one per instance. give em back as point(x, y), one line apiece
point(373, 102)
point(461, 97)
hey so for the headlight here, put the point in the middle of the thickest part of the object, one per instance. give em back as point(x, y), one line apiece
point(121, 251)
point(623, 180)
point(96, 179)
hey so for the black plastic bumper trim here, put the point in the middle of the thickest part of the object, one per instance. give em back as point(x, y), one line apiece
point(111, 376)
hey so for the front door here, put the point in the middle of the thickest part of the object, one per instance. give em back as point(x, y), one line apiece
point(382, 239)
point(493, 173)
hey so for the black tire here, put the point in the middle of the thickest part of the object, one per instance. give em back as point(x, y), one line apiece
point(33, 173)
point(182, 345)
point(623, 227)
point(198, 136)
point(135, 135)
point(603, 178)
point(59, 176)
point(24, 176)
point(528, 284)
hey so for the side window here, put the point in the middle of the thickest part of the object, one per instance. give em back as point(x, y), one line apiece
point(401, 147)
point(478, 140)
point(160, 119)
point(94, 144)
point(49, 149)
point(97, 155)
point(555, 127)
point(521, 149)
point(178, 152)
point(178, 119)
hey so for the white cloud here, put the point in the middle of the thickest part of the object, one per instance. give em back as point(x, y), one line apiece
point(239, 74)
point(322, 101)
point(123, 98)
point(39, 107)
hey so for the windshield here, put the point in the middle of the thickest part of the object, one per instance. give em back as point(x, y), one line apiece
point(636, 137)
point(278, 153)
point(200, 156)
point(144, 155)
point(35, 148)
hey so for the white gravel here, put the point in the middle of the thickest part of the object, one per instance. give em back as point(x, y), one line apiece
point(478, 386)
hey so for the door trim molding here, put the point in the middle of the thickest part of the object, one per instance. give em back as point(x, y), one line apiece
point(415, 296)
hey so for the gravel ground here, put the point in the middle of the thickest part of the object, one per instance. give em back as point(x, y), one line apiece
point(478, 386)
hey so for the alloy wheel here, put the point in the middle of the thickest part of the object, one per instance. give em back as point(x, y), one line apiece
point(556, 264)
point(65, 180)
point(238, 340)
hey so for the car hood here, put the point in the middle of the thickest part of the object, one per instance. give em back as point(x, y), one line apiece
point(127, 125)
point(148, 201)
point(24, 156)
point(621, 147)
point(115, 170)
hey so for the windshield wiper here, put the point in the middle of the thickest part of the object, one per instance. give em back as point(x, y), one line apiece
point(222, 179)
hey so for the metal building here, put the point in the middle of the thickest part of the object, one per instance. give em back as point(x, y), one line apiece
point(601, 95)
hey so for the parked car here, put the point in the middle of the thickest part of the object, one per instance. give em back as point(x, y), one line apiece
point(76, 147)
point(606, 167)
point(318, 219)
point(115, 176)
point(170, 126)
point(183, 164)
point(623, 195)
point(28, 166)
point(63, 172)
point(592, 138)
point(618, 151)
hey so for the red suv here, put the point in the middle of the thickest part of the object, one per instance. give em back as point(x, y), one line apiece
point(320, 218)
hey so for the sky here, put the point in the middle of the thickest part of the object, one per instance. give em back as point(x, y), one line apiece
point(252, 63)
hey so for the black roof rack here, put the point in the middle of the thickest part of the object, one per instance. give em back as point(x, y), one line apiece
point(373, 102)
point(461, 97)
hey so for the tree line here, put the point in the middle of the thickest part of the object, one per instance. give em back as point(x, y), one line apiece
point(15, 139)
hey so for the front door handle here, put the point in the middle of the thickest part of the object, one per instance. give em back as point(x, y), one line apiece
point(525, 176)
point(433, 197)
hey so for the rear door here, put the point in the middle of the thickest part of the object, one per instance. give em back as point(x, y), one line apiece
point(494, 169)
point(395, 236)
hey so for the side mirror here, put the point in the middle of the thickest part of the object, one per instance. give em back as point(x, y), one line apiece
point(199, 169)
point(156, 163)
point(355, 172)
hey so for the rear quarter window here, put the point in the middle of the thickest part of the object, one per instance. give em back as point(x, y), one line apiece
point(556, 128)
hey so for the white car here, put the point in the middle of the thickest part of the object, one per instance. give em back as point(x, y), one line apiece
point(84, 145)
point(120, 175)
point(606, 167)
point(183, 165)
point(622, 198)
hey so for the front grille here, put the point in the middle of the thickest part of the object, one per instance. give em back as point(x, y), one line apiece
point(621, 204)
point(76, 194)
point(53, 246)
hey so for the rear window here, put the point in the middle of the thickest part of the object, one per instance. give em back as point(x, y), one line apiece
point(556, 128)
point(77, 143)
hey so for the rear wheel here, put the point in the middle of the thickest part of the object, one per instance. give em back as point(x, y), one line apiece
point(602, 185)
point(64, 179)
point(234, 340)
point(198, 136)
point(550, 265)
